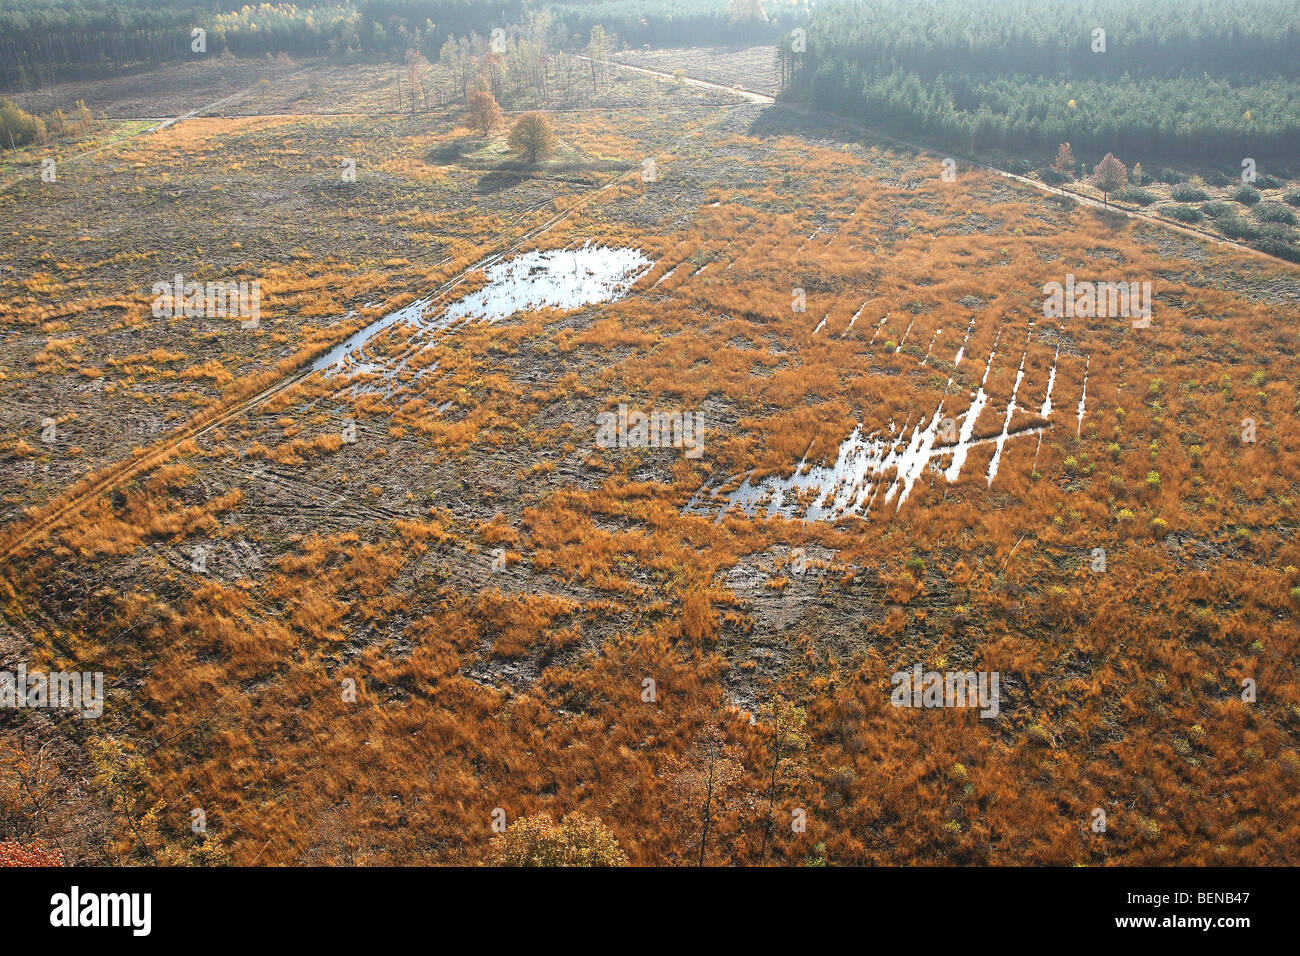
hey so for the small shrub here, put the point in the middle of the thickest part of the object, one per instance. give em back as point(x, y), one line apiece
point(13, 853)
point(1185, 213)
point(1217, 209)
point(1246, 195)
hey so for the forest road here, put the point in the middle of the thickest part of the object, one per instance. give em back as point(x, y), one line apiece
point(762, 98)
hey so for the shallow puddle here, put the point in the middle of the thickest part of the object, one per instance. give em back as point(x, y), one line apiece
point(558, 279)
point(555, 279)
point(872, 469)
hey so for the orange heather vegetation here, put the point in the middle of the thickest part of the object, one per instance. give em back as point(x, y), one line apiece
point(431, 601)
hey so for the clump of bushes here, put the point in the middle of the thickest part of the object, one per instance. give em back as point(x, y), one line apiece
point(1274, 212)
point(1277, 247)
point(1186, 213)
point(1217, 209)
point(1186, 192)
point(1234, 227)
point(1276, 230)
point(1292, 198)
point(1142, 197)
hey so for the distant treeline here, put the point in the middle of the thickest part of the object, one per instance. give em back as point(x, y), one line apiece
point(660, 23)
point(44, 40)
point(1194, 79)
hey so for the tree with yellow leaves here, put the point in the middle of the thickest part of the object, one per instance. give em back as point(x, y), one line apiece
point(533, 137)
point(484, 113)
point(538, 841)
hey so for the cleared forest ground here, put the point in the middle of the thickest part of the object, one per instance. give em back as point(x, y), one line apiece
point(750, 68)
point(436, 521)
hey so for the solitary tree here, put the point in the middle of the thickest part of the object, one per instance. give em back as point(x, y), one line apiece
point(784, 725)
point(707, 788)
point(484, 113)
point(1109, 176)
point(532, 136)
point(1064, 159)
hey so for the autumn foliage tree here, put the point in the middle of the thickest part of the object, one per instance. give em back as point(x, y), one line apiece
point(707, 788)
point(1065, 161)
point(17, 126)
point(533, 137)
point(784, 725)
point(539, 841)
point(1110, 175)
point(484, 113)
